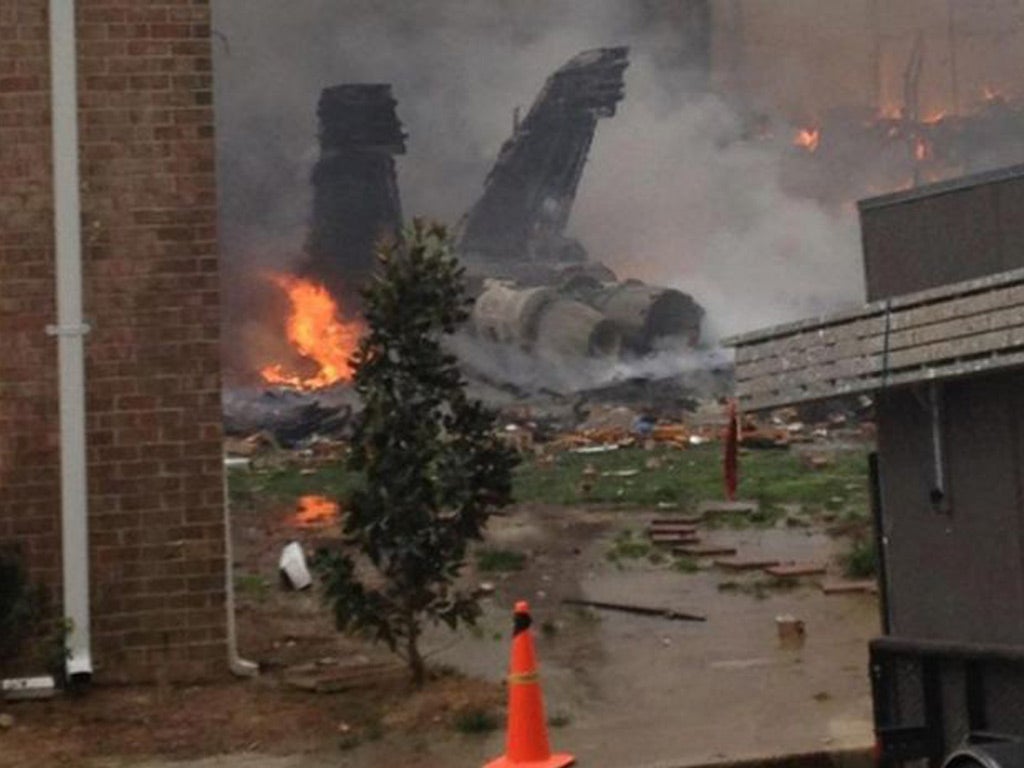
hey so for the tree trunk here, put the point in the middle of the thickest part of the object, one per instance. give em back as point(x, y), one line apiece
point(416, 664)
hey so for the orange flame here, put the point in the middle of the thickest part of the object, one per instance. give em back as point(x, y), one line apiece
point(807, 138)
point(315, 511)
point(922, 149)
point(990, 93)
point(317, 334)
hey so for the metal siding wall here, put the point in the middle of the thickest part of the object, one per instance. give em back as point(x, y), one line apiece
point(958, 576)
point(933, 241)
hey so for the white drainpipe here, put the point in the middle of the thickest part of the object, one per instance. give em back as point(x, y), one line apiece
point(239, 666)
point(70, 331)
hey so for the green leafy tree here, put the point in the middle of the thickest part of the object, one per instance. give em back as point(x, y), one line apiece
point(432, 465)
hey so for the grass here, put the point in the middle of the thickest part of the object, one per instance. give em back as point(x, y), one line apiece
point(861, 562)
point(628, 546)
point(685, 564)
point(686, 477)
point(491, 560)
point(680, 479)
point(252, 585)
point(475, 720)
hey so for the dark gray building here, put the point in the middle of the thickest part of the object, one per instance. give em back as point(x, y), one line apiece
point(941, 348)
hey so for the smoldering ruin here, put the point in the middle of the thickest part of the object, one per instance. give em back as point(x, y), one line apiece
point(642, 200)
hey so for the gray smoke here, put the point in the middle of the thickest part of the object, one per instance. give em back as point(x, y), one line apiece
point(676, 192)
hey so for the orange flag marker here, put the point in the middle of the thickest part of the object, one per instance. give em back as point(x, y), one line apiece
point(526, 744)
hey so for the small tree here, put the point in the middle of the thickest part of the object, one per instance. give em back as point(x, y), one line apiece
point(433, 467)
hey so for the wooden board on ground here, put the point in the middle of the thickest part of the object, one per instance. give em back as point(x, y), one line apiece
point(745, 564)
point(337, 675)
point(660, 527)
point(704, 550)
point(674, 539)
point(849, 587)
point(795, 570)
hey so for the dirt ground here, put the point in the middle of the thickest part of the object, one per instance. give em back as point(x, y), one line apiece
point(622, 690)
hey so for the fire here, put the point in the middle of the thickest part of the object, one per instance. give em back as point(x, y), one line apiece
point(990, 93)
point(317, 333)
point(807, 138)
point(315, 511)
point(922, 149)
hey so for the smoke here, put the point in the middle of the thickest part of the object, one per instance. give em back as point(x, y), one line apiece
point(677, 191)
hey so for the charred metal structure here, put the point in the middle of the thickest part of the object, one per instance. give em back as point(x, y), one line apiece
point(535, 288)
point(355, 189)
point(529, 193)
point(942, 347)
point(542, 292)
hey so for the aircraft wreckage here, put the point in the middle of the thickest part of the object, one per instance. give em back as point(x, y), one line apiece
point(535, 288)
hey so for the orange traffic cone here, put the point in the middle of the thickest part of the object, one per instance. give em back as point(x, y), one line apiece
point(526, 744)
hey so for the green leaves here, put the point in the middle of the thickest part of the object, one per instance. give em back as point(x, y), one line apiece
point(434, 468)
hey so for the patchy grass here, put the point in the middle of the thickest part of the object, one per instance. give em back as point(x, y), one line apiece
point(684, 478)
point(685, 564)
point(861, 562)
point(252, 585)
point(491, 560)
point(628, 546)
point(333, 481)
point(475, 720)
point(680, 479)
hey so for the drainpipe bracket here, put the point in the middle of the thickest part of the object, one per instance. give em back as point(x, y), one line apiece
point(68, 330)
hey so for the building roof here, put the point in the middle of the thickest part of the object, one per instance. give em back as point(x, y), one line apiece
point(957, 184)
point(945, 332)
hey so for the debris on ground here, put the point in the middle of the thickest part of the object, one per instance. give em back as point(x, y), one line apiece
point(792, 631)
point(704, 550)
point(845, 587)
point(331, 675)
point(795, 570)
point(639, 610)
point(745, 564)
point(294, 570)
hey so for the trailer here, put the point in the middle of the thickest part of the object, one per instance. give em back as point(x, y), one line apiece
point(939, 345)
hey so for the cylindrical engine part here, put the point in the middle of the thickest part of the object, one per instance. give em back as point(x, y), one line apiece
point(568, 329)
point(508, 315)
point(538, 319)
point(645, 313)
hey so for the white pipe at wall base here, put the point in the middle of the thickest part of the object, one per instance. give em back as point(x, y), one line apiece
point(238, 666)
point(70, 331)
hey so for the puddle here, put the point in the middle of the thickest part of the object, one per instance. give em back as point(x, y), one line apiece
point(315, 512)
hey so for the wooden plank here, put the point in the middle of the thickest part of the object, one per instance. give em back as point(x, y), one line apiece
point(843, 587)
point(704, 550)
point(795, 570)
point(740, 564)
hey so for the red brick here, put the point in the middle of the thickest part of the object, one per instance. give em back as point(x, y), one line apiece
point(149, 197)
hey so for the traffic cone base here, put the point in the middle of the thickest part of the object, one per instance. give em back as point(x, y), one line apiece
point(555, 761)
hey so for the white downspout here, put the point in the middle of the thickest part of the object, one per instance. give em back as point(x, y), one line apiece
point(70, 331)
point(239, 666)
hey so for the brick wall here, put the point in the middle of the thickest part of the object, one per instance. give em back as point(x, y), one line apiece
point(151, 296)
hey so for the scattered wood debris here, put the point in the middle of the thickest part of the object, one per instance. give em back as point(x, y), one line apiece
point(640, 610)
point(795, 570)
point(745, 564)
